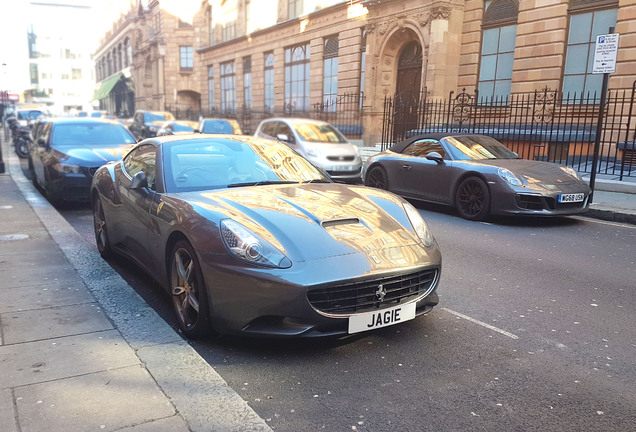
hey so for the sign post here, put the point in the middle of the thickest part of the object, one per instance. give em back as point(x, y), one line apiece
point(605, 53)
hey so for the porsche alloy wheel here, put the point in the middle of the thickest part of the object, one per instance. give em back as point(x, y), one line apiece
point(188, 291)
point(473, 199)
point(101, 232)
point(377, 178)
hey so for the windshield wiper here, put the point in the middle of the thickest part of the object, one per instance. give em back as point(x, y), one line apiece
point(260, 183)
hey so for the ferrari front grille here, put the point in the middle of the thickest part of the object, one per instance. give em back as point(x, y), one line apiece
point(373, 294)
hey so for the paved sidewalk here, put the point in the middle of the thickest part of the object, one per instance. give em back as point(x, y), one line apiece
point(79, 349)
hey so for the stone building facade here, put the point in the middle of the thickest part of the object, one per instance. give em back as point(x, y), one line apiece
point(291, 55)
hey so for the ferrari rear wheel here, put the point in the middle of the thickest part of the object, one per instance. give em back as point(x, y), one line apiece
point(188, 290)
point(473, 199)
point(377, 178)
point(101, 231)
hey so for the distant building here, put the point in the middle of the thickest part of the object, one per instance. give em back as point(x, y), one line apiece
point(60, 65)
point(242, 57)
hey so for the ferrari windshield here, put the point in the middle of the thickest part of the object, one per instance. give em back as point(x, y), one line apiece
point(478, 147)
point(213, 163)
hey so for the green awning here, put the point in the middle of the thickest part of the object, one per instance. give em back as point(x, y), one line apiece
point(106, 87)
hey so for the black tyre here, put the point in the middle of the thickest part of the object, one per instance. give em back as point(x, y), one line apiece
point(101, 230)
point(189, 296)
point(22, 148)
point(377, 178)
point(473, 199)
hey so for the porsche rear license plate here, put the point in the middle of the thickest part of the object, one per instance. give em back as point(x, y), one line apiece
point(568, 198)
point(381, 318)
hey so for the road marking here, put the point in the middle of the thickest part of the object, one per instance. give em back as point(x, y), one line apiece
point(604, 222)
point(483, 324)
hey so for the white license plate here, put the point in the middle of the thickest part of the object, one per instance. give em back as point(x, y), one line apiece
point(381, 318)
point(568, 198)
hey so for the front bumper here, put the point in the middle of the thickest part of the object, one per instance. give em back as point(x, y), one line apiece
point(276, 302)
point(529, 202)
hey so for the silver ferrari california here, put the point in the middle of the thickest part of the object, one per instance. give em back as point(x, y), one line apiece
point(248, 237)
point(478, 175)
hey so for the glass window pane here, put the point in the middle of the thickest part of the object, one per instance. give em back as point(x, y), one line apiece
point(580, 26)
point(573, 85)
point(504, 66)
point(603, 20)
point(576, 59)
point(488, 66)
point(489, 44)
point(486, 89)
point(507, 38)
point(593, 84)
point(502, 89)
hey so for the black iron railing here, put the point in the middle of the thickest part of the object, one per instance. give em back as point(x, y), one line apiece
point(544, 125)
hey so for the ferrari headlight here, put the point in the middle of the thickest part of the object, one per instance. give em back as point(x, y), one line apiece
point(509, 177)
point(571, 171)
point(248, 246)
point(419, 225)
point(66, 169)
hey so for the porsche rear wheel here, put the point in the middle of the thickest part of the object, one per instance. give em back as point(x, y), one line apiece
point(473, 199)
point(101, 231)
point(377, 178)
point(188, 290)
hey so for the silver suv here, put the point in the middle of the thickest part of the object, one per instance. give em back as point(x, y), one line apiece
point(317, 141)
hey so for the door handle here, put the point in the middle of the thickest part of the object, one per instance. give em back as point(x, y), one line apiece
point(408, 167)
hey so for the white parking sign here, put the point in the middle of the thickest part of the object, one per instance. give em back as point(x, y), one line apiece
point(605, 53)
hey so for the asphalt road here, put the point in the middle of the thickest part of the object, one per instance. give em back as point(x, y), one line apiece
point(535, 331)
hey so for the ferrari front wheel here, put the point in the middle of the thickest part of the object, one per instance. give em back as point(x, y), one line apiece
point(188, 291)
point(473, 199)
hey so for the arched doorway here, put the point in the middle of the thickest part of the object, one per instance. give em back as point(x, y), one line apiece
point(407, 89)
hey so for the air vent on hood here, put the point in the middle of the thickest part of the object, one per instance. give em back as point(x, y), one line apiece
point(335, 222)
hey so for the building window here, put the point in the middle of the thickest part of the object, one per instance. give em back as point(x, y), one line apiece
point(269, 82)
point(212, 26)
point(127, 52)
point(497, 49)
point(295, 8)
point(76, 74)
point(297, 78)
point(363, 64)
point(247, 82)
point(230, 17)
point(33, 67)
point(211, 88)
point(330, 74)
point(186, 61)
point(110, 65)
point(497, 55)
point(578, 79)
point(228, 88)
point(228, 31)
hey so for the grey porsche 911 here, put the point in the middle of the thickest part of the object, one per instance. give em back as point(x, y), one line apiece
point(478, 175)
point(249, 238)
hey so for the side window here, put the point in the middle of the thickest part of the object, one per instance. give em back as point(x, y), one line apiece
point(283, 128)
point(142, 159)
point(422, 148)
point(269, 129)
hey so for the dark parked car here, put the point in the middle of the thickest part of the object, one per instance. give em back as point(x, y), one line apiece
point(177, 127)
point(219, 126)
point(67, 151)
point(146, 124)
point(248, 237)
point(478, 175)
